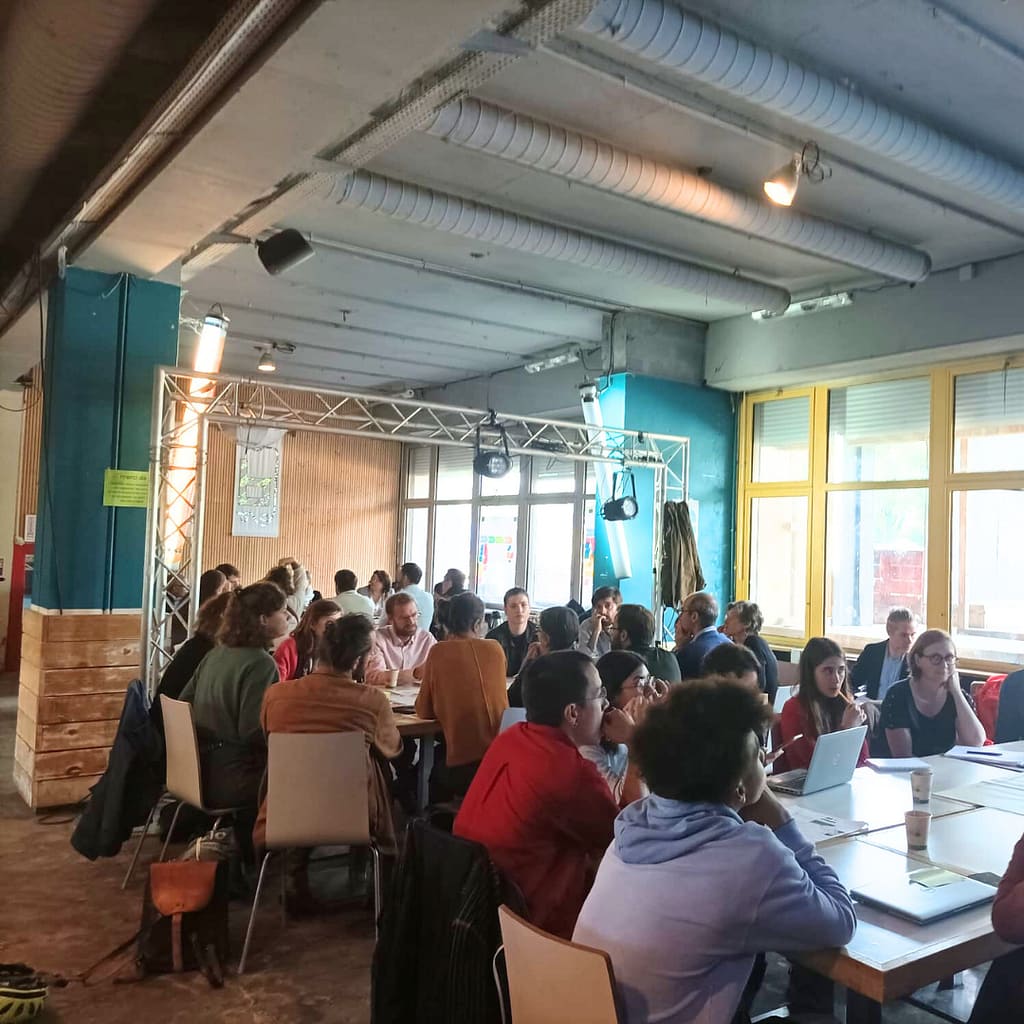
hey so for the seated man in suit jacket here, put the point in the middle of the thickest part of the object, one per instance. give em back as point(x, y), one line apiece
point(882, 664)
point(697, 619)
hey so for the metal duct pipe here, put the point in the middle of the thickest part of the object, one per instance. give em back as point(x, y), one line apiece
point(690, 45)
point(530, 142)
point(443, 212)
point(54, 57)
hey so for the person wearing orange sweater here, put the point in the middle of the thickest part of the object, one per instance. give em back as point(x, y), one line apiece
point(463, 688)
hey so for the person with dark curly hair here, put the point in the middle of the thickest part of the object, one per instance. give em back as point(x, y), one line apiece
point(709, 870)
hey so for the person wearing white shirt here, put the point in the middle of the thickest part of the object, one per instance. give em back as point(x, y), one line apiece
point(350, 602)
point(409, 577)
point(401, 644)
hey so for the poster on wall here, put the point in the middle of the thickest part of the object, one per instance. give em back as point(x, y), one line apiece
point(256, 510)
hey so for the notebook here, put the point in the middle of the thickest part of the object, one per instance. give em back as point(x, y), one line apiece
point(1012, 759)
point(897, 764)
point(832, 763)
point(922, 903)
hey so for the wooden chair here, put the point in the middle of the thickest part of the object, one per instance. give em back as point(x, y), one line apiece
point(184, 774)
point(551, 981)
point(316, 796)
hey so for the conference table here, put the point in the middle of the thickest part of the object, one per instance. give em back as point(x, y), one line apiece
point(890, 958)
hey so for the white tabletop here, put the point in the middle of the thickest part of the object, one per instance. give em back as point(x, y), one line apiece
point(949, 772)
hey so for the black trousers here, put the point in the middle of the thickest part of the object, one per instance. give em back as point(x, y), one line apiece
point(1001, 998)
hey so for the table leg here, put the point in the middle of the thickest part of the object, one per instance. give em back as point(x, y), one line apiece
point(861, 1010)
point(425, 768)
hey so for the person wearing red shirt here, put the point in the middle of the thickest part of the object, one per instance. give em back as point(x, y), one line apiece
point(823, 703)
point(541, 809)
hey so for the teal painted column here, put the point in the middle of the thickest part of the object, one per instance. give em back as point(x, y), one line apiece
point(105, 335)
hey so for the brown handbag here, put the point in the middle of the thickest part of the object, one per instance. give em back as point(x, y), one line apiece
point(181, 887)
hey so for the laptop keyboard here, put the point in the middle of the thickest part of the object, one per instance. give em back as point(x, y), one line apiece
point(789, 782)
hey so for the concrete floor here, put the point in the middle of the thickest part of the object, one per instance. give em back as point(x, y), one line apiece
point(61, 913)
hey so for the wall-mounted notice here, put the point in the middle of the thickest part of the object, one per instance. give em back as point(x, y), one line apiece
point(126, 488)
point(257, 504)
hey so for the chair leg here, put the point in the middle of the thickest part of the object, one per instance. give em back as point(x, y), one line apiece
point(284, 889)
point(138, 845)
point(170, 831)
point(252, 914)
point(375, 853)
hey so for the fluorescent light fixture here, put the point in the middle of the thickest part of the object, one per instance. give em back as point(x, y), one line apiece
point(210, 349)
point(838, 300)
point(558, 357)
point(266, 363)
point(782, 185)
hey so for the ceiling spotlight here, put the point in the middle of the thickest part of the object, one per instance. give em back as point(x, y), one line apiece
point(782, 185)
point(266, 363)
point(492, 463)
point(624, 507)
point(283, 251)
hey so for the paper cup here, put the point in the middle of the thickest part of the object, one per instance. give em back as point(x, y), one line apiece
point(918, 824)
point(921, 785)
point(393, 678)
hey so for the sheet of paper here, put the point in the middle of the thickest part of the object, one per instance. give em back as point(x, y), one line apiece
point(819, 828)
point(1002, 794)
point(897, 764)
point(934, 878)
point(1013, 759)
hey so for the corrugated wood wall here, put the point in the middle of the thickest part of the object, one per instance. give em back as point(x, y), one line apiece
point(31, 446)
point(339, 508)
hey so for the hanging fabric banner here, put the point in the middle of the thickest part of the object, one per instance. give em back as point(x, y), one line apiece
point(257, 502)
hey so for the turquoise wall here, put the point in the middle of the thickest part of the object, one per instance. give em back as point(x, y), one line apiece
point(105, 335)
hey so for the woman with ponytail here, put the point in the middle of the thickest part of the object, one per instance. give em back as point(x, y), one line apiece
point(296, 654)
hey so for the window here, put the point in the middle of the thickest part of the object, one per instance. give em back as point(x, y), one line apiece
point(989, 422)
point(778, 568)
point(589, 545)
point(496, 552)
point(502, 486)
point(451, 538)
point(781, 439)
point(415, 549)
point(454, 474)
point(551, 549)
point(554, 476)
point(418, 472)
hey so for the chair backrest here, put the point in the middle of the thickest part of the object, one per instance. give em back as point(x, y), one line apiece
point(184, 778)
point(317, 790)
point(551, 981)
point(789, 673)
point(782, 694)
point(510, 716)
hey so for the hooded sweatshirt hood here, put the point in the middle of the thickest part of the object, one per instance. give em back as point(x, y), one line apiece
point(654, 830)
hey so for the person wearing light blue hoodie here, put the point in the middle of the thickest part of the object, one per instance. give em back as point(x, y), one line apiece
point(709, 870)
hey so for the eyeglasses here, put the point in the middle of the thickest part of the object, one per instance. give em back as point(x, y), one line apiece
point(643, 683)
point(940, 659)
point(602, 694)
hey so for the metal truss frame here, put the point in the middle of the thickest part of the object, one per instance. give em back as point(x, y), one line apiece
point(186, 403)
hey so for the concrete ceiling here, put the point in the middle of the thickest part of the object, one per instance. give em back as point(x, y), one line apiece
point(388, 304)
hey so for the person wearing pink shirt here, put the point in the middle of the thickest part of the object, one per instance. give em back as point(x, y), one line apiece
point(401, 644)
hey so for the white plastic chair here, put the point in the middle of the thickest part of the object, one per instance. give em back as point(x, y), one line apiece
point(510, 716)
point(316, 796)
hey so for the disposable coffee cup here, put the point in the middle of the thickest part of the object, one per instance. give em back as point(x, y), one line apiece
point(918, 823)
point(921, 785)
point(393, 678)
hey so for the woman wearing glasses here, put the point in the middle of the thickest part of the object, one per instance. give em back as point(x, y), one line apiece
point(928, 712)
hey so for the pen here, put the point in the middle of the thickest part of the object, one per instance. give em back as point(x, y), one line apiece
point(987, 753)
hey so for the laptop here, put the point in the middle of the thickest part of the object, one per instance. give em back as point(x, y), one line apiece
point(832, 763)
point(922, 904)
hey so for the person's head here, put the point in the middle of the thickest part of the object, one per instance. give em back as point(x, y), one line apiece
point(563, 690)
point(283, 578)
point(633, 629)
point(465, 614)
point(823, 678)
point(210, 615)
point(900, 628)
point(558, 629)
point(255, 616)
point(517, 609)
point(933, 656)
point(211, 583)
point(344, 643)
point(345, 580)
point(702, 745)
point(606, 601)
point(742, 619)
point(624, 676)
point(698, 611)
point(410, 574)
point(456, 580)
point(734, 661)
point(312, 625)
point(403, 615)
point(233, 576)
point(379, 582)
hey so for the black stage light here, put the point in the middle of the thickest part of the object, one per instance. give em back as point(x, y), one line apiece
point(283, 251)
point(625, 507)
point(492, 463)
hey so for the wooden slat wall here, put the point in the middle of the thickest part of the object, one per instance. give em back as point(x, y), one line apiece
point(31, 446)
point(339, 508)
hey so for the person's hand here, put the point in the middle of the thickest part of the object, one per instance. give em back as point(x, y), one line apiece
point(660, 689)
point(407, 677)
point(618, 726)
point(638, 707)
point(767, 810)
point(533, 652)
point(852, 716)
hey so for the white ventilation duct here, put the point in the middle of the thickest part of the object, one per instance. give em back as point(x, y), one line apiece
point(443, 212)
point(529, 142)
point(692, 46)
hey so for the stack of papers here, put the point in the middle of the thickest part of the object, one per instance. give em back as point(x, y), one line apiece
point(896, 764)
point(819, 828)
point(1012, 759)
point(403, 696)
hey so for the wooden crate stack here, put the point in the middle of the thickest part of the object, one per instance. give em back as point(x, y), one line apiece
point(74, 673)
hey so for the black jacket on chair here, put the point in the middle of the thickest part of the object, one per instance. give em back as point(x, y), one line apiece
point(867, 671)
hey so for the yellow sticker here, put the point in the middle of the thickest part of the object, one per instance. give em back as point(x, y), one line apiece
point(126, 488)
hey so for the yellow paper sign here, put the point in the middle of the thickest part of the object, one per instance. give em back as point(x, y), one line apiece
point(126, 488)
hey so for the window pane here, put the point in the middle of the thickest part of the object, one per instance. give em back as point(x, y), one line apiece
point(989, 422)
point(587, 585)
point(418, 480)
point(550, 577)
point(496, 554)
point(879, 431)
point(987, 602)
point(874, 560)
point(553, 476)
point(451, 539)
point(502, 486)
point(415, 546)
point(778, 563)
point(781, 431)
point(455, 474)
